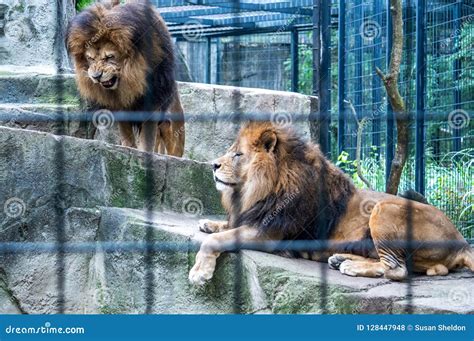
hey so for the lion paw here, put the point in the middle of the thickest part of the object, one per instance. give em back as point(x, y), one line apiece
point(203, 270)
point(348, 267)
point(335, 261)
point(205, 225)
point(357, 268)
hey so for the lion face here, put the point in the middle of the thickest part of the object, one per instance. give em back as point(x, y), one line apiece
point(251, 157)
point(227, 169)
point(104, 65)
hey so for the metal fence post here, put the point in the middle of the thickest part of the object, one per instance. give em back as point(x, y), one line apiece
point(322, 67)
point(420, 97)
point(457, 72)
point(376, 85)
point(341, 82)
point(208, 60)
point(294, 60)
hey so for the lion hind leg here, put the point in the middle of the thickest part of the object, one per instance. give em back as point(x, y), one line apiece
point(437, 270)
point(468, 259)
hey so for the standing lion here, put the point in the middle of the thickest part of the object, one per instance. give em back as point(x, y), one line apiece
point(124, 61)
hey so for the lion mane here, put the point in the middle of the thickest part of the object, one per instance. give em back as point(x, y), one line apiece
point(147, 74)
point(286, 188)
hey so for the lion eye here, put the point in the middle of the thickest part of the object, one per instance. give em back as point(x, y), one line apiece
point(109, 57)
point(238, 154)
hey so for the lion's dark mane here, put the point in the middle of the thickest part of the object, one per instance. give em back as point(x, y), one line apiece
point(310, 207)
point(136, 30)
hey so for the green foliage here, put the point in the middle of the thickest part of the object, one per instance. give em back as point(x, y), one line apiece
point(81, 4)
point(305, 65)
point(449, 182)
point(458, 53)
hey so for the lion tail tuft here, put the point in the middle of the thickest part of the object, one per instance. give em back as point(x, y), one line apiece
point(469, 259)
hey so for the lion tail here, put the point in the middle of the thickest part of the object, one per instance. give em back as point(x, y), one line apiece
point(468, 257)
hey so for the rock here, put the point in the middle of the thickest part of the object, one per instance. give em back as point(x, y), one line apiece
point(212, 111)
point(108, 273)
point(30, 32)
point(95, 173)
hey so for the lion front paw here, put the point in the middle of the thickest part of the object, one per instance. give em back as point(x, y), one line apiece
point(203, 270)
point(335, 261)
point(207, 226)
point(357, 268)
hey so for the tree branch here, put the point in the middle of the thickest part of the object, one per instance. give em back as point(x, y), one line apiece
point(390, 82)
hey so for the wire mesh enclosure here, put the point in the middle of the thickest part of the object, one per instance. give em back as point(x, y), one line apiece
point(105, 203)
point(269, 45)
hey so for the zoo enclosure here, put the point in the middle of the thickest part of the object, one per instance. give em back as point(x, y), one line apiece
point(148, 248)
point(270, 44)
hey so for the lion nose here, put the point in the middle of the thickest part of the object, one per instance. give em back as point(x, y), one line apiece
point(216, 166)
point(96, 75)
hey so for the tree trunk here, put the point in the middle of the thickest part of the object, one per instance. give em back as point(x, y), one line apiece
point(397, 103)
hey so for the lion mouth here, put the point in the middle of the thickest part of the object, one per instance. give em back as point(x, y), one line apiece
point(110, 83)
point(229, 184)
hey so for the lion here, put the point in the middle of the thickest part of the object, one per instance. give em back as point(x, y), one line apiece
point(124, 61)
point(276, 187)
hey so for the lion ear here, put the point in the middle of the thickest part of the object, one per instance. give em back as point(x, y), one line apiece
point(268, 140)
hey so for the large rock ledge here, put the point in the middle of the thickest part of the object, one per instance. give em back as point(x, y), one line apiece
point(114, 282)
point(30, 101)
point(97, 173)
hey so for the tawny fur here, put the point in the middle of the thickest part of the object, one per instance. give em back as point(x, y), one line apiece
point(276, 186)
point(144, 64)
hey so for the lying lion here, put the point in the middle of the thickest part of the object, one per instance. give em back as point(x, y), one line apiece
point(272, 185)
